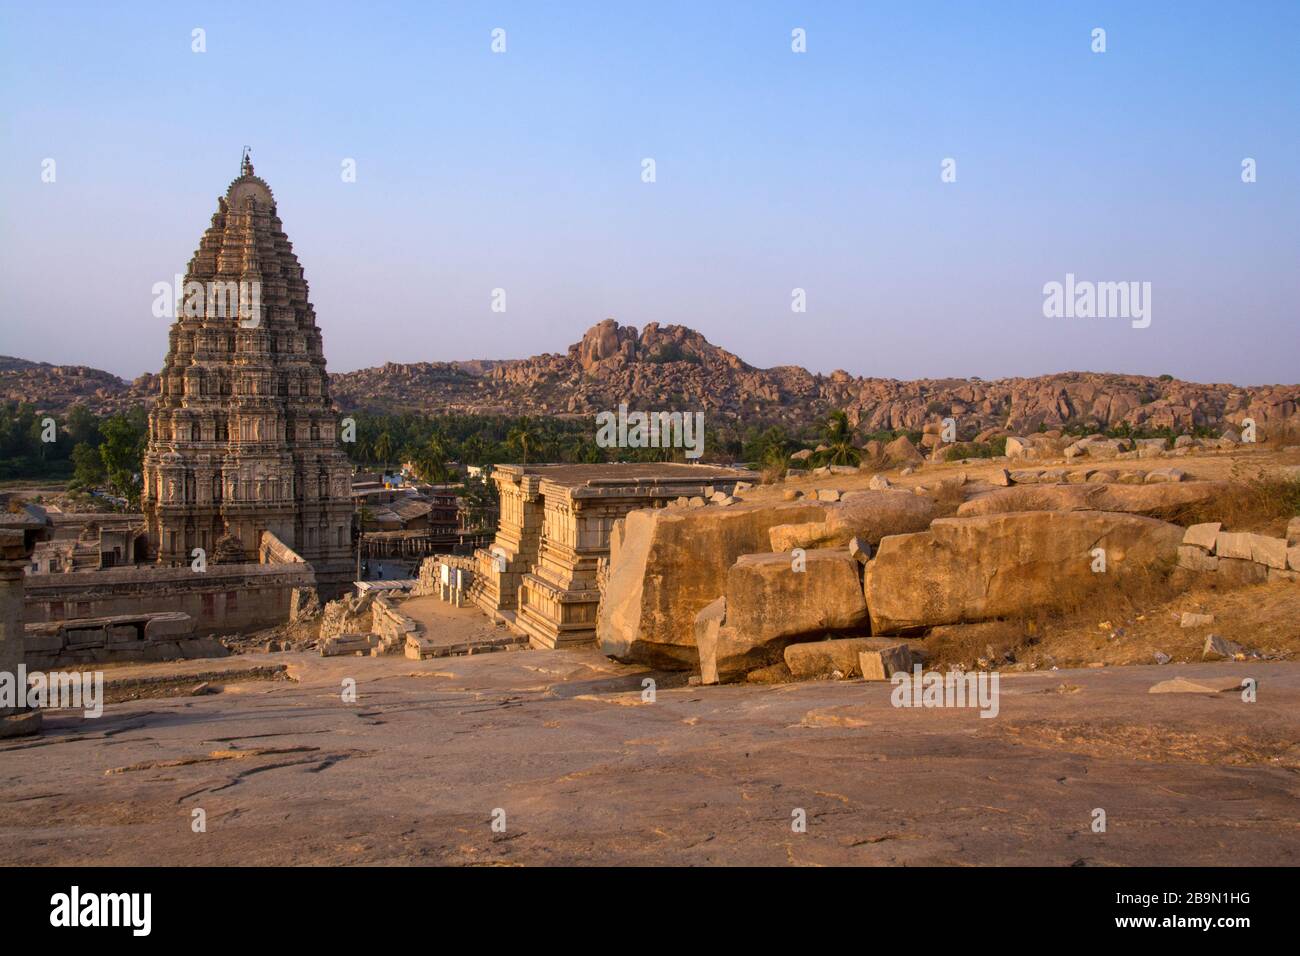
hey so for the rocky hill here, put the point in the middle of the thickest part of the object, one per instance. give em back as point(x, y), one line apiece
point(56, 388)
point(674, 367)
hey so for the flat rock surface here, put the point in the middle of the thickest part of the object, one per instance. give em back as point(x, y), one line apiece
point(588, 772)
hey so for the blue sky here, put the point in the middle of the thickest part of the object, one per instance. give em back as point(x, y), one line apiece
point(775, 170)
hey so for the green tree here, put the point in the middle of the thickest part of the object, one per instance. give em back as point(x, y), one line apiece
point(384, 449)
point(524, 438)
point(838, 436)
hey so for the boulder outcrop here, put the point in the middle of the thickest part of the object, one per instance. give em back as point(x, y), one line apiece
point(990, 566)
point(1153, 500)
point(865, 515)
point(665, 565)
point(773, 601)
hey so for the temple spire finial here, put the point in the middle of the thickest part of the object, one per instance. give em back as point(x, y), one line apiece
point(246, 164)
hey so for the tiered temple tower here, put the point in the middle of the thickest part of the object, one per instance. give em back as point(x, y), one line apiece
point(243, 437)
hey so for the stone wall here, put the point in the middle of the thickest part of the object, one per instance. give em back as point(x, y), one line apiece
point(428, 580)
point(1241, 557)
point(225, 598)
point(20, 531)
point(391, 626)
point(126, 637)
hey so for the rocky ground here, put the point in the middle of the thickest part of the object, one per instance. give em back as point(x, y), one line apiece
point(587, 770)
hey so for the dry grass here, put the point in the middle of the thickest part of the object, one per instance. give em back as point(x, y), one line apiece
point(1258, 500)
point(1128, 625)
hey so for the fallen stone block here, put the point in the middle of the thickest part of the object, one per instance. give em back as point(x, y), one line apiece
point(1229, 544)
point(1202, 535)
point(768, 600)
point(347, 644)
point(885, 662)
point(1270, 552)
point(1194, 559)
point(776, 673)
point(1191, 619)
point(668, 564)
point(1220, 648)
point(998, 566)
point(1198, 685)
point(1239, 571)
point(706, 624)
point(814, 659)
point(866, 515)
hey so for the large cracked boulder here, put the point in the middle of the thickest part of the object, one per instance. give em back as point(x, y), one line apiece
point(865, 515)
point(993, 566)
point(1155, 500)
point(772, 601)
point(667, 564)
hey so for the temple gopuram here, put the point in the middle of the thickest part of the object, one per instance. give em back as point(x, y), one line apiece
point(243, 438)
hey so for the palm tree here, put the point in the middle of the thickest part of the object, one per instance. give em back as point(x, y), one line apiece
point(431, 461)
point(583, 450)
point(384, 448)
point(473, 450)
point(838, 435)
point(524, 438)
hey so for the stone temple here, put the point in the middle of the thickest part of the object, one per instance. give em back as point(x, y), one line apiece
point(243, 438)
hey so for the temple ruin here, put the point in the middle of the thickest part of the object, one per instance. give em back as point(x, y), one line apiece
point(540, 574)
point(242, 438)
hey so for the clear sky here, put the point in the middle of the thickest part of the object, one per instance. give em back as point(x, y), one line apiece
point(774, 170)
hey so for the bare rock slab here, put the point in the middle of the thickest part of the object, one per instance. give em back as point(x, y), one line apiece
point(1198, 685)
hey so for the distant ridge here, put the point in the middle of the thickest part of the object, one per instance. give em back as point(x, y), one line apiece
point(673, 367)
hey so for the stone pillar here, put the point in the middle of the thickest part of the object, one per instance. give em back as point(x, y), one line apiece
point(19, 533)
